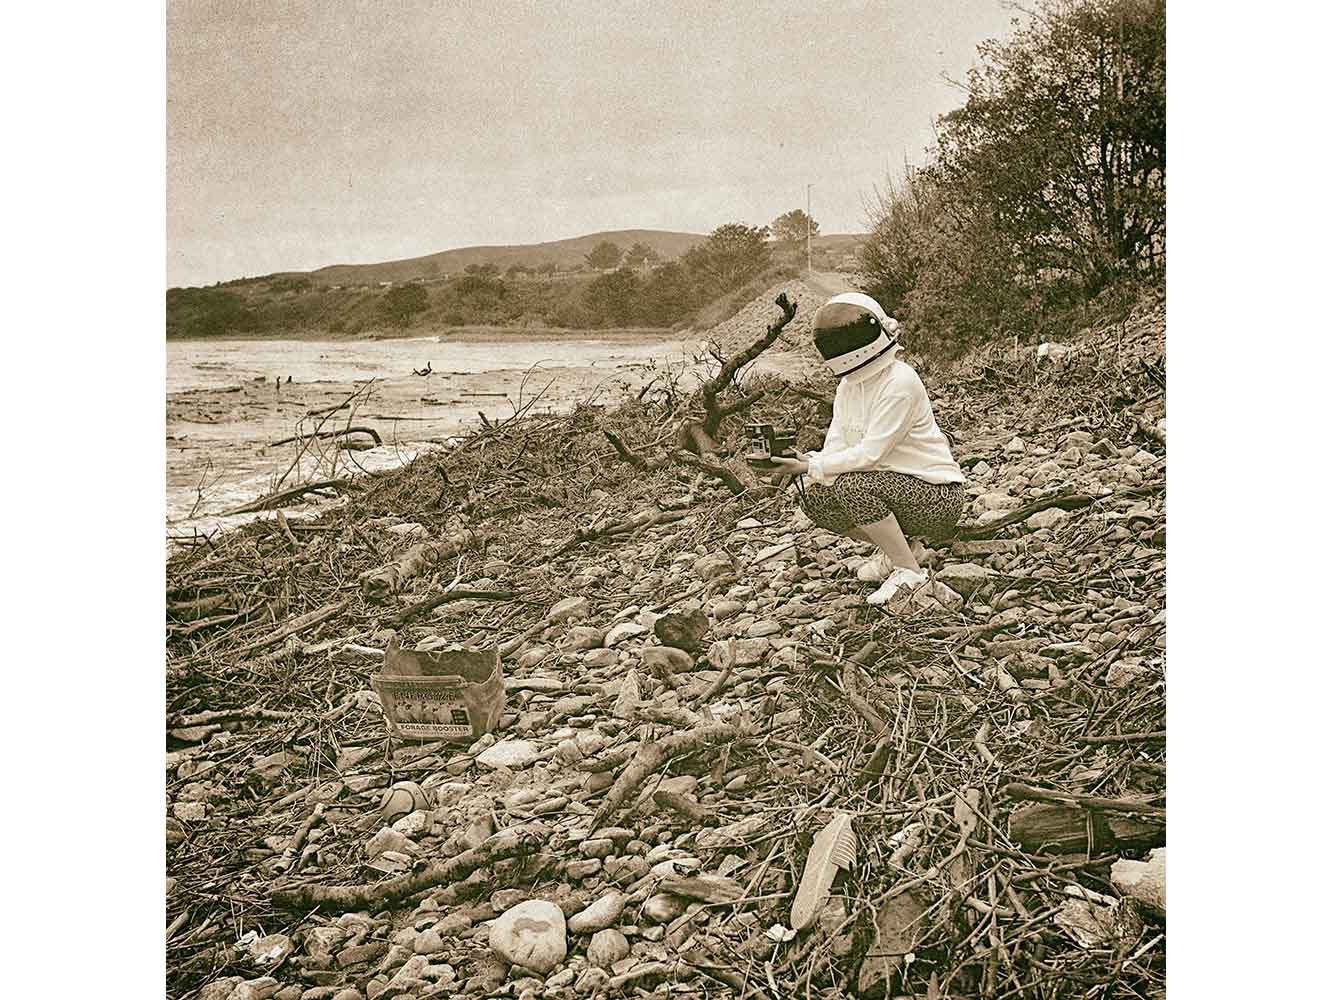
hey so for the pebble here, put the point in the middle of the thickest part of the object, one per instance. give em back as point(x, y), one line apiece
point(388, 839)
point(270, 950)
point(428, 942)
point(607, 947)
point(749, 653)
point(663, 907)
point(512, 754)
point(583, 868)
point(660, 659)
point(627, 701)
point(712, 566)
point(724, 610)
point(531, 935)
point(598, 848)
point(570, 609)
point(965, 578)
point(1049, 518)
point(600, 659)
point(625, 630)
point(585, 637)
point(601, 914)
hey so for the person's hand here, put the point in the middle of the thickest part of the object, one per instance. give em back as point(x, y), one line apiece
point(791, 466)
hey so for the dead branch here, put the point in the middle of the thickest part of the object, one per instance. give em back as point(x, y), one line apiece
point(286, 496)
point(376, 584)
point(699, 436)
point(651, 756)
point(625, 452)
point(319, 435)
point(457, 594)
point(296, 625)
point(1018, 790)
point(602, 529)
point(505, 844)
point(716, 470)
point(849, 685)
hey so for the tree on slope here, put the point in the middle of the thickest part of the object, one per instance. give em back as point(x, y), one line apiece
point(789, 228)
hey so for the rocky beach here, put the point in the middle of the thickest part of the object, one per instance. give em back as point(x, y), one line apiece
point(717, 771)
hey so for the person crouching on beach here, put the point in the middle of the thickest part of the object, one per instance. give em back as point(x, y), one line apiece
point(885, 470)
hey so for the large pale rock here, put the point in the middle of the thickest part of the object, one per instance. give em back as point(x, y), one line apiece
point(513, 754)
point(271, 950)
point(602, 913)
point(531, 935)
point(1143, 881)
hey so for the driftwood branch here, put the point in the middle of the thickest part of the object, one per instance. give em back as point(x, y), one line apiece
point(299, 624)
point(374, 434)
point(286, 496)
point(506, 844)
point(390, 578)
point(602, 529)
point(699, 435)
point(714, 469)
point(1018, 790)
point(626, 452)
point(455, 594)
point(651, 756)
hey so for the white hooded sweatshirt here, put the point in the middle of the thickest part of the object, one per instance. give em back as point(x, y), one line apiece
point(882, 421)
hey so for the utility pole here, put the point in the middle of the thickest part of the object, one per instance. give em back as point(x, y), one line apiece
point(808, 268)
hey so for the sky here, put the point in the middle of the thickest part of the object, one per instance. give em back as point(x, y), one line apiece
point(302, 134)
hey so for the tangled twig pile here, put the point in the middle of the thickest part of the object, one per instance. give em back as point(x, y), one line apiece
point(696, 689)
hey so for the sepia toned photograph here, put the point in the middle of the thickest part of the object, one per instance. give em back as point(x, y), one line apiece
point(665, 500)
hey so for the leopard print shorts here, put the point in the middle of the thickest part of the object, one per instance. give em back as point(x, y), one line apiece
point(923, 510)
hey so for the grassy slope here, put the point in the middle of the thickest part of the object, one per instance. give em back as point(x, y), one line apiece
point(565, 254)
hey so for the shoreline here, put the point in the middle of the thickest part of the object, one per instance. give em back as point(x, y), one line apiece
point(454, 335)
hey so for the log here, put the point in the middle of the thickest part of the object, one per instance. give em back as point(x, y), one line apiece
point(643, 519)
point(1068, 501)
point(1052, 828)
point(1018, 790)
point(376, 584)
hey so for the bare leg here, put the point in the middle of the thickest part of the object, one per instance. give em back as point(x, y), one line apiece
point(889, 539)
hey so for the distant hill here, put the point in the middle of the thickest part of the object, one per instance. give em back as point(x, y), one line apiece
point(567, 255)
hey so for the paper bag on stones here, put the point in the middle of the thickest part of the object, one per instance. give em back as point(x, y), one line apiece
point(440, 694)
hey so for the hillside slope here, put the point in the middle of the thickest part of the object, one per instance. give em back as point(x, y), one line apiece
point(565, 254)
